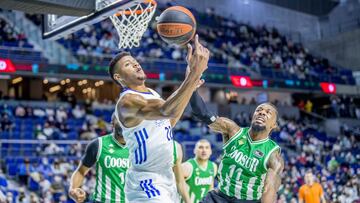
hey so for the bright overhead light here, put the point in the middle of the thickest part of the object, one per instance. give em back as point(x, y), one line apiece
point(17, 80)
point(55, 88)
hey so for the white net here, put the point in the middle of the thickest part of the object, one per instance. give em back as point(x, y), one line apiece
point(131, 23)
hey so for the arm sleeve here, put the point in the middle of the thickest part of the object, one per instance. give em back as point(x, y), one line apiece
point(200, 110)
point(89, 159)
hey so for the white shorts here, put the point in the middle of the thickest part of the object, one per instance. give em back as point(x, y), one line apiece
point(144, 186)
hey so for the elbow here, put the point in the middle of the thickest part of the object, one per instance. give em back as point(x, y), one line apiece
point(167, 112)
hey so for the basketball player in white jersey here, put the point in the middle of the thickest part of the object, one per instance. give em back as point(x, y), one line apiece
point(147, 121)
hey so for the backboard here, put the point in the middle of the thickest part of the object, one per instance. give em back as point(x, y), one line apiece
point(58, 26)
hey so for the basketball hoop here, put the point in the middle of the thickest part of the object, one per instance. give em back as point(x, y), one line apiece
point(132, 22)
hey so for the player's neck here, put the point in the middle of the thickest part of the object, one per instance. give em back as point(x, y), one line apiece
point(139, 88)
point(120, 139)
point(255, 136)
point(201, 162)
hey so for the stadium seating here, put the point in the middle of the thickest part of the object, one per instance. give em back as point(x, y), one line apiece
point(235, 44)
point(15, 46)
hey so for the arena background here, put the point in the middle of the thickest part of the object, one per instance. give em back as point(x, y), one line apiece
point(301, 55)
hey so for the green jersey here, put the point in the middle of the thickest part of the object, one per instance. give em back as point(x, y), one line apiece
point(243, 168)
point(200, 180)
point(111, 166)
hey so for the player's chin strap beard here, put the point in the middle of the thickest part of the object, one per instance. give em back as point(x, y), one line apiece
point(257, 128)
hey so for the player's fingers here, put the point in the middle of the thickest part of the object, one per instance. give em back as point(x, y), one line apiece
point(201, 82)
point(189, 54)
point(197, 43)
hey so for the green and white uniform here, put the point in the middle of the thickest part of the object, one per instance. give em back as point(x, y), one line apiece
point(112, 162)
point(200, 180)
point(243, 167)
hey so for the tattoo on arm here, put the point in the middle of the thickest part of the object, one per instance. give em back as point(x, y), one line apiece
point(226, 127)
point(273, 177)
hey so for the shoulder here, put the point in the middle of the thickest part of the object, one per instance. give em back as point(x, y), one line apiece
point(187, 164)
point(318, 185)
point(275, 161)
point(95, 142)
point(129, 99)
point(302, 188)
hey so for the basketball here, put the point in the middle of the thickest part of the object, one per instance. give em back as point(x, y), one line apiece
point(176, 25)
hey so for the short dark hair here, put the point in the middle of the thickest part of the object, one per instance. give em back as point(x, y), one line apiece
point(112, 64)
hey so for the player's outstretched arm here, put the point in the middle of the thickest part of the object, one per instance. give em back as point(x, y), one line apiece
point(77, 178)
point(179, 176)
point(135, 107)
point(225, 126)
point(273, 177)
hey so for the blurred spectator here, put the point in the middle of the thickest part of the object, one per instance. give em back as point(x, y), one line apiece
point(308, 106)
point(61, 114)
point(20, 111)
point(24, 171)
point(311, 191)
point(2, 197)
point(78, 112)
point(333, 164)
point(22, 198)
point(6, 123)
point(48, 132)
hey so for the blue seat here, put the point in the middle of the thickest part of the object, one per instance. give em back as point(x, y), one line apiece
point(33, 185)
point(72, 135)
point(28, 135)
point(3, 182)
point(12, 170)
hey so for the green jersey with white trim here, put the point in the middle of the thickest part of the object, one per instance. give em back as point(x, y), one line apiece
point(200, 180)
point(243, 168)
point(111, 166)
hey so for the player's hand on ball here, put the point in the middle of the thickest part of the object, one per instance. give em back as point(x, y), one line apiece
point(198, 59)
point(78, 195)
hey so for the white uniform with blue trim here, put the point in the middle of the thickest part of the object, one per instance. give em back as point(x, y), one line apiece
point(150, 177)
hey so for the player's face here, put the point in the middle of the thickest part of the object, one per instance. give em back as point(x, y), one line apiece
point(264, 118)
point(130, 71)
point(309, 178)
point(203, 150)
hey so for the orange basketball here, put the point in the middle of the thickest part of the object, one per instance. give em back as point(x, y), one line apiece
point(176, 25)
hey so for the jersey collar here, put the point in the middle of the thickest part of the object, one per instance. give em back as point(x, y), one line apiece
point(204, 169)
point(257, 141)
point(128, 89)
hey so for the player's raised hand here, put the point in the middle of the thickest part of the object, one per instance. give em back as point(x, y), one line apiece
point(77, 194)
point(198, 59)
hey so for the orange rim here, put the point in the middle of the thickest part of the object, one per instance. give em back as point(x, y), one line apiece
point(138, 12)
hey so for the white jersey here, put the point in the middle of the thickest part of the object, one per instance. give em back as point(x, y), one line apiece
point(150, 143)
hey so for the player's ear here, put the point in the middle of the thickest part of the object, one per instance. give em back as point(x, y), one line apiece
point(118, 78)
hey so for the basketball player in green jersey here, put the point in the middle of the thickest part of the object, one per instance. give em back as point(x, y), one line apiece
point(110, 156)
point(199, 172)
point(251, 165)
